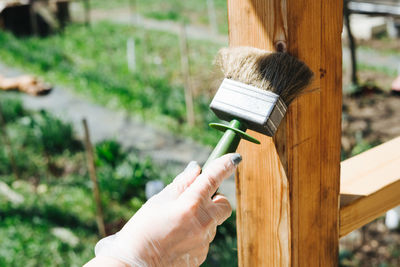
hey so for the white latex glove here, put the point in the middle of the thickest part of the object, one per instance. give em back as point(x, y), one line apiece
point(176, 226)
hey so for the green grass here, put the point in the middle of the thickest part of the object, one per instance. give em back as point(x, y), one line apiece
point(57, 192)
point(188, 11)
point(384, 51)
point(27, 242)
point(379, 69)
point(92, 61)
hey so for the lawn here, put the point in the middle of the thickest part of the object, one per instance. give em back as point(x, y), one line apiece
point(189, 11)
point(45, 164)
point(92, 61)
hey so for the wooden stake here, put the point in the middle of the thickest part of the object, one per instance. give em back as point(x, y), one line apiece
point(93, 177)
point(133, 9)
point(131, 54)
point(33, 18)
point(352, 44)
point(186, 73)
point(7, 142)
point(288, 187)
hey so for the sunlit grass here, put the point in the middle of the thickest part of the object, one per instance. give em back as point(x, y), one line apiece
point(188, 11)
point(92, 61)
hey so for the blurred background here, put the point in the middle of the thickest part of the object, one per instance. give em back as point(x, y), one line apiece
point(141, 75)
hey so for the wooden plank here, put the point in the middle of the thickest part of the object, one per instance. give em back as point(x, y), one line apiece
point(288, 188)
point(370, 185)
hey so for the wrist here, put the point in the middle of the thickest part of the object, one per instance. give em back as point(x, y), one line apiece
point(135, 252)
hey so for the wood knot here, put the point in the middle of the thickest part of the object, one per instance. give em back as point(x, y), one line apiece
point(280, 46)
point(322, 73)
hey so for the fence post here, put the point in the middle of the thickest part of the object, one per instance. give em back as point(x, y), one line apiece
point(288, 187)
point(185, 63)
point(95, 186)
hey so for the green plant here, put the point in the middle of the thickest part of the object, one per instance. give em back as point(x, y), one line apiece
point(5, 165)
point(10, 108)
point(127, 180)
point(361, 145)
point(29, 242)
point(345, 257)
point(223, 250)
point(109, 152)
point(55, 135)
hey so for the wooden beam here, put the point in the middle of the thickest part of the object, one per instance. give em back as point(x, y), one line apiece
point(288, 188)
point(370, 185)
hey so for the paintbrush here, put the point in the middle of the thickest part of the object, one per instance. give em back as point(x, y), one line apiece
point(255, 94)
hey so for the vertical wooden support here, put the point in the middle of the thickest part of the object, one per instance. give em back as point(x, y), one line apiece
point(352, 43)
point(185, 63)
point(33, 18)
point(93, 177)
point(288, 187)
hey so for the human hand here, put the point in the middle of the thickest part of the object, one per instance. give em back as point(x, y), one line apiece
point(176, 226)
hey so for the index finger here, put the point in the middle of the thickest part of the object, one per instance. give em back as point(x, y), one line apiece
point(207, 183)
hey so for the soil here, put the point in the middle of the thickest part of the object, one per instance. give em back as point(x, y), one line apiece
point(369, 77)
point(371, 245)
point(375, 116)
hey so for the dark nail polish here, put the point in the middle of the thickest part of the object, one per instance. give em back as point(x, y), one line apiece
point(236, 159)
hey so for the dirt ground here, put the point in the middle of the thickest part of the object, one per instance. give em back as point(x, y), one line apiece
point(374, 117)
point(372, 245)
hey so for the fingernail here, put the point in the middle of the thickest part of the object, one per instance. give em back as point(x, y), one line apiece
point(236, 159)
point(191, 166)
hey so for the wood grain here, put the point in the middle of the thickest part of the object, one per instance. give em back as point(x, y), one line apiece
point(288, 188)
point(370, 185)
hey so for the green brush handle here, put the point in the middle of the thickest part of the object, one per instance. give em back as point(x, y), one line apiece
point(230, 140)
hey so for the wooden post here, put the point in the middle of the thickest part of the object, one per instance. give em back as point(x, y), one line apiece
point(93, 177)
point(33, 18)
point(133, 10)
point(288, 187)
point(185, 63)
point(352, 44)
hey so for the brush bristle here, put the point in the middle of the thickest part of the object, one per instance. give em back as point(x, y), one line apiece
point(279, 73)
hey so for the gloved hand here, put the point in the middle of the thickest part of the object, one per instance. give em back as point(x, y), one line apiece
point(176, 226)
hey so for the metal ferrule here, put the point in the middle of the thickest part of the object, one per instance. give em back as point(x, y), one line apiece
point(261, 110)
